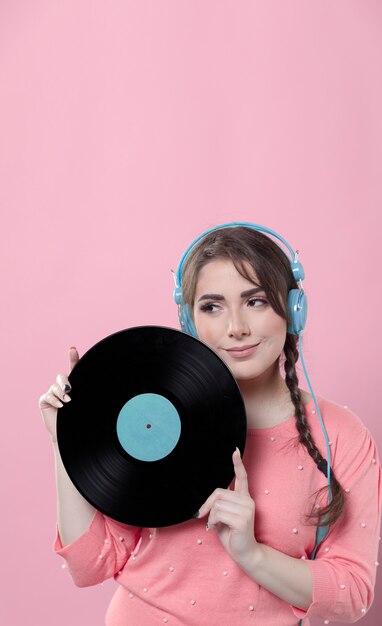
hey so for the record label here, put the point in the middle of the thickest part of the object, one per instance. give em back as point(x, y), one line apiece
point(148, 427)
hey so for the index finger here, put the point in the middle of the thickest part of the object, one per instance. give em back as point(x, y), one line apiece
point(241, 480)
point(74, 357)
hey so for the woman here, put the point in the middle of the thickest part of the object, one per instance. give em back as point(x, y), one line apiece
point(246, 557)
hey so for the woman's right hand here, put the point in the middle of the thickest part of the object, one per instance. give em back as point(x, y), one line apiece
point(56, 396)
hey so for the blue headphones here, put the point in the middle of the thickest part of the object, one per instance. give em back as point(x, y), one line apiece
point(297, 309)
point(297, 302)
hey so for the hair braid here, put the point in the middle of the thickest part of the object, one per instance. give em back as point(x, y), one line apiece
point(332, 511)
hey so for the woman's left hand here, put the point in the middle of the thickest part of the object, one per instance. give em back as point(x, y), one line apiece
point(232, 513)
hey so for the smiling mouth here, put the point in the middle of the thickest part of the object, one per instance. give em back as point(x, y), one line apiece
point(242, 348)
point(242, 352)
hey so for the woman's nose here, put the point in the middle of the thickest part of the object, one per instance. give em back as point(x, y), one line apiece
point(238, 325)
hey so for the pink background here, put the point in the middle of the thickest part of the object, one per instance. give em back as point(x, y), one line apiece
point(126, 129)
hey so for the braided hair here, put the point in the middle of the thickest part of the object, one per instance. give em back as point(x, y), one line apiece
point(331, 512)
point(248, 248)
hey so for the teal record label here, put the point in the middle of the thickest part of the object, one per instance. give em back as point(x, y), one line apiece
point(148, 427)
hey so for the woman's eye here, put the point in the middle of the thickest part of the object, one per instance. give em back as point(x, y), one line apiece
point(256, 302)
point(209, 308)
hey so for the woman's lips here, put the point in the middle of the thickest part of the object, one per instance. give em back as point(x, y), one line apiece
point(242, 352)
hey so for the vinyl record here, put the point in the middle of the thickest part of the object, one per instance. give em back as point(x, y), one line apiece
point(154, 419)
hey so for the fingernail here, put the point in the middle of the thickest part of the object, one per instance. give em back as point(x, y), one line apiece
point(196, 514)
point(67, 388)
point(237, 449)
point(67, 398)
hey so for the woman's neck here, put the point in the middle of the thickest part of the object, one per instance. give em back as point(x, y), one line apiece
point(267, 399)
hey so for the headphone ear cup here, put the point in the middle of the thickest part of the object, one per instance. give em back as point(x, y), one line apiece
point(298, 311)
point(186, 321)
point(178, 295)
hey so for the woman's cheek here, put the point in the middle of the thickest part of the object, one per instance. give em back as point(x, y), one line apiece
point(204, 333)
point(273, 324)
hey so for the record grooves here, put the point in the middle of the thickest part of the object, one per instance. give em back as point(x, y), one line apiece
point(154, 419)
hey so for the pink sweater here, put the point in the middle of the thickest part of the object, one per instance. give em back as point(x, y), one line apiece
point(182, 576)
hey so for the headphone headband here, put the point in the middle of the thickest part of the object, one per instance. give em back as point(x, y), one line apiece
point(296, 266)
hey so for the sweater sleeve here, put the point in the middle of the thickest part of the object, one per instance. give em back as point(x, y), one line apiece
point(344, 570)
point(101, 551)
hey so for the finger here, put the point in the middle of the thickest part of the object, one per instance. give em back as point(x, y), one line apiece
point(241, 509)
point(226, 512)
point(74, 357)
point(49, 399)
point(219, 495)
point(230, 518)
point(59, 392)
point(228, 494)
point(63, 381)
point(241, 481)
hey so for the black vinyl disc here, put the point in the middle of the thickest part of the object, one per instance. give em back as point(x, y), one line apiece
point(154, 418)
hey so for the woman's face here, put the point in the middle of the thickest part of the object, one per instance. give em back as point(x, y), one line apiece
point(233, 317)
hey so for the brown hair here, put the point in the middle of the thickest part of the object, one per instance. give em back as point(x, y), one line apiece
point(246, 246)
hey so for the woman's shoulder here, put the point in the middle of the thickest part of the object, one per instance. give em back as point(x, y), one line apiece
point(340, 418)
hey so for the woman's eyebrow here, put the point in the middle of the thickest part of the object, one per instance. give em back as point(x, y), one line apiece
point(251, 292)
point(217, 296)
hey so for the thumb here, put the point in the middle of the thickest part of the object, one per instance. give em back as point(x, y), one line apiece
point(74, 357)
